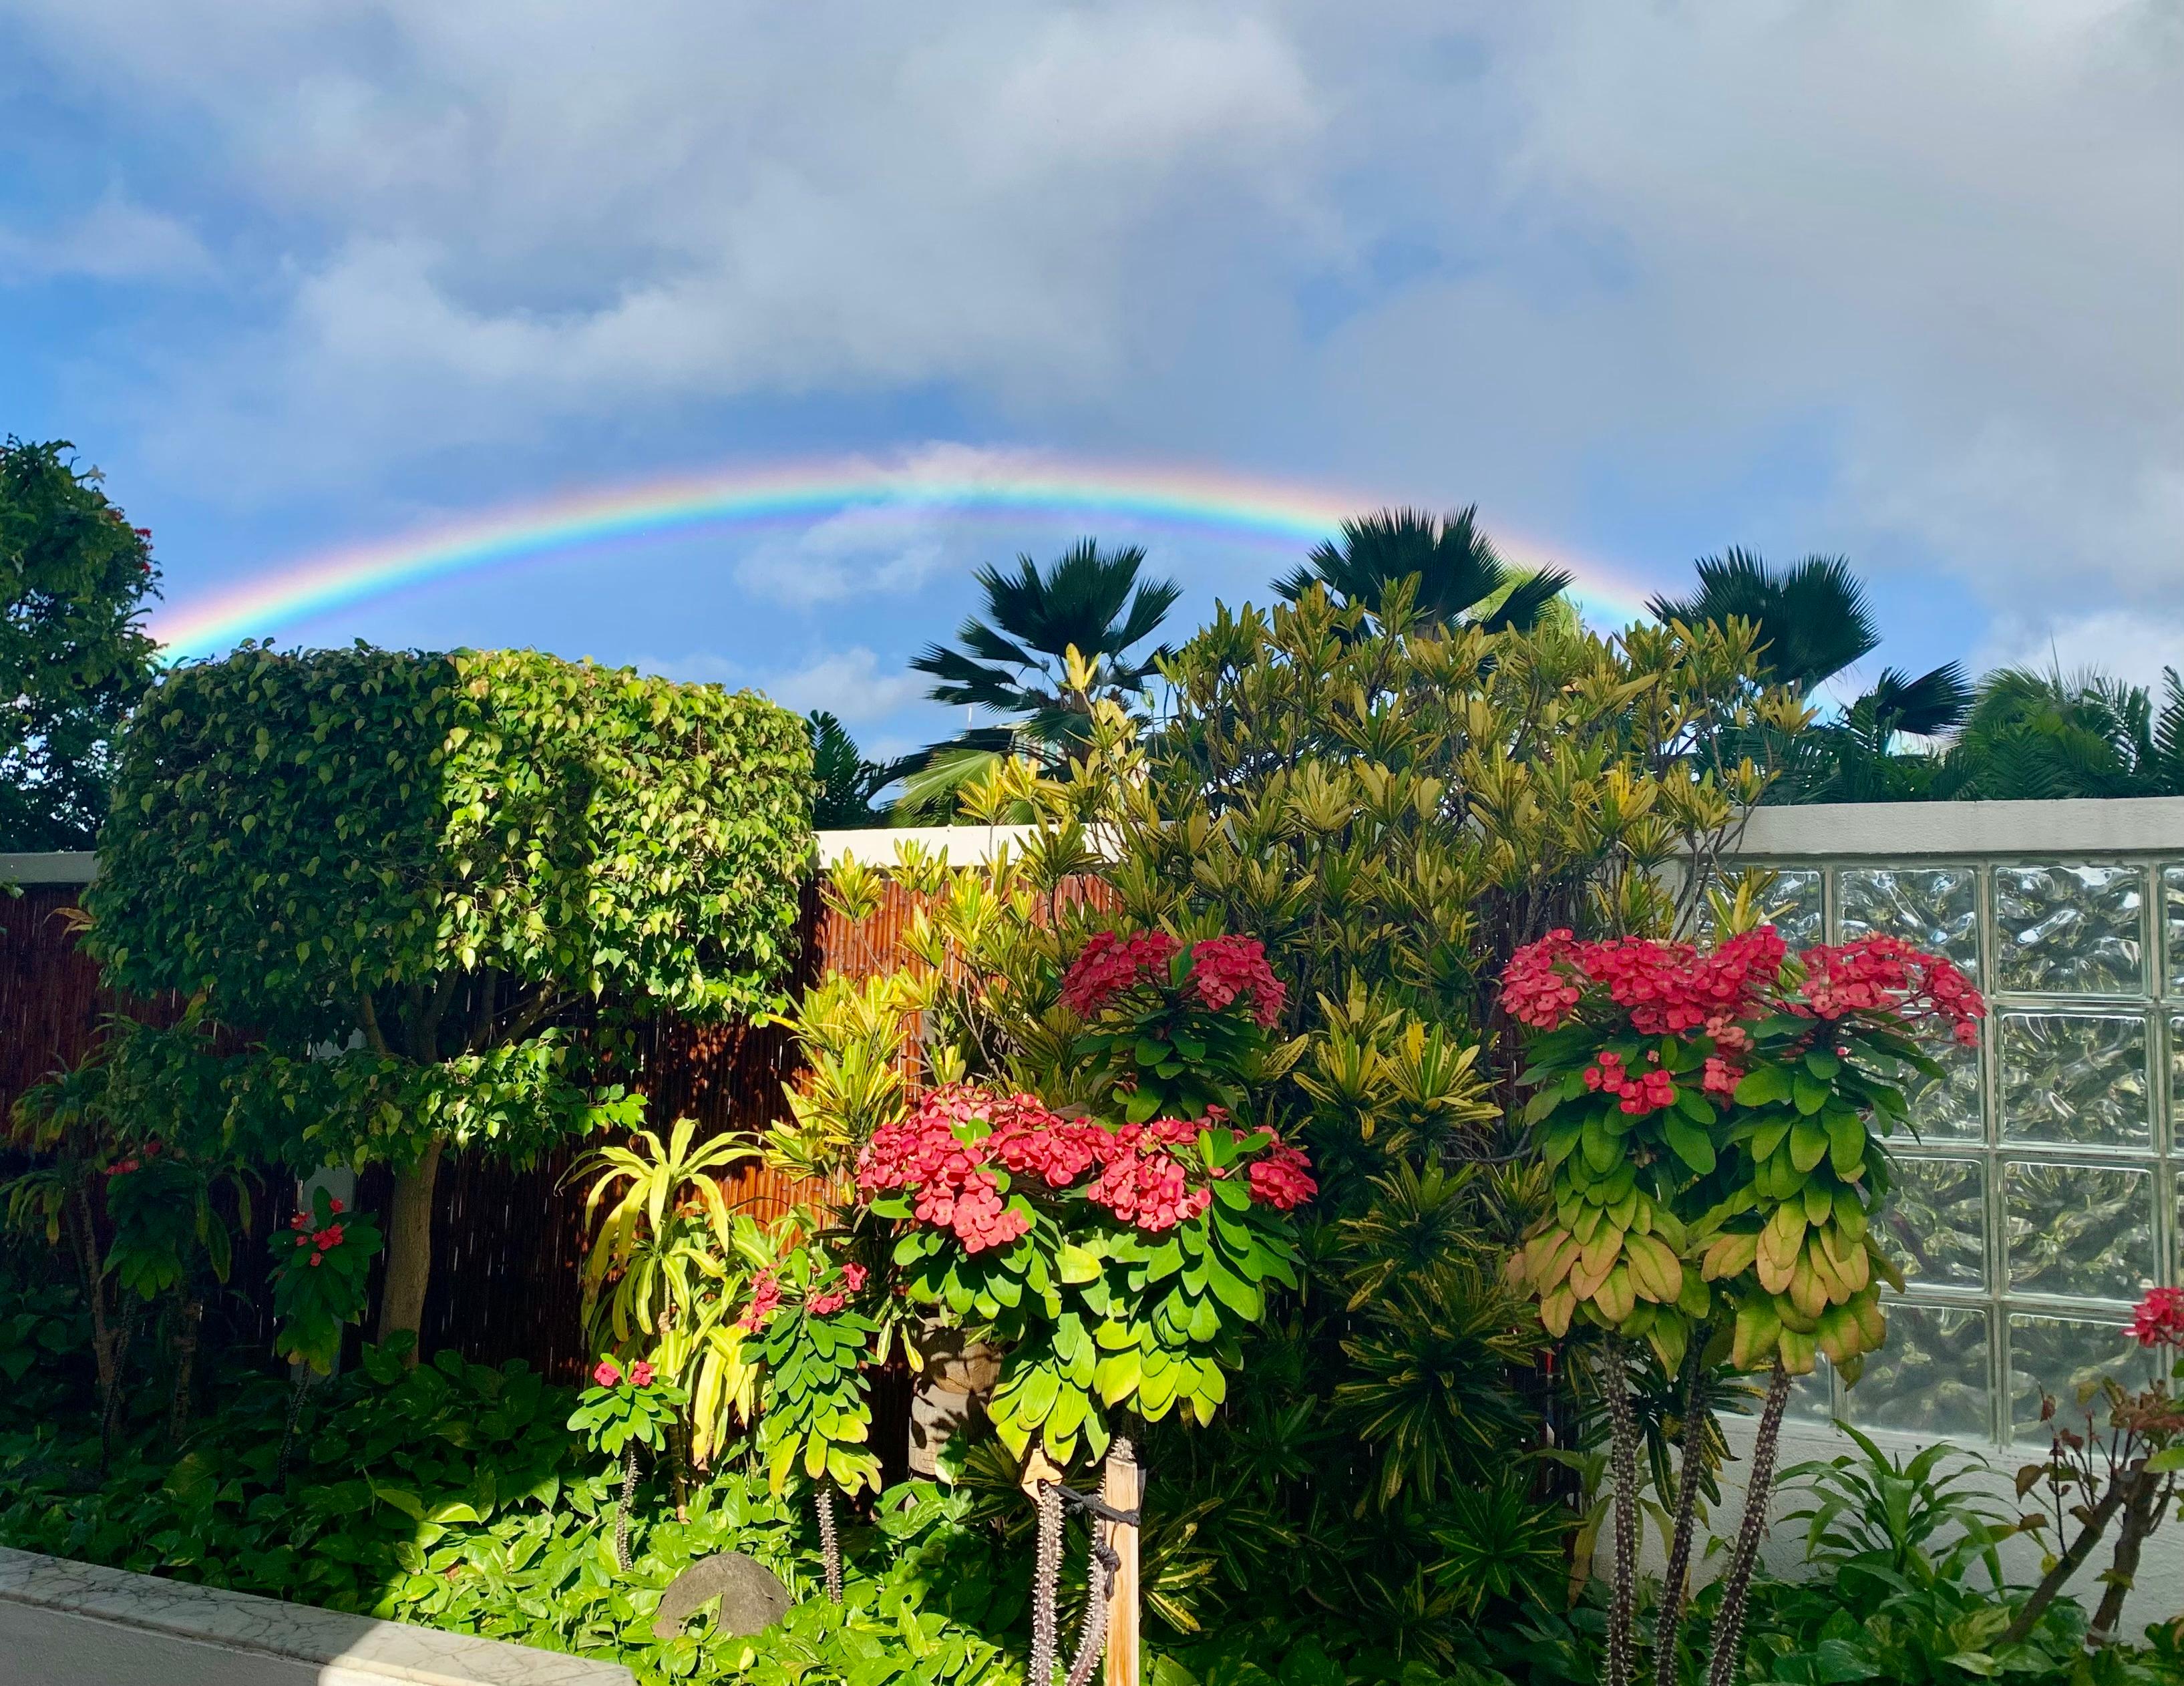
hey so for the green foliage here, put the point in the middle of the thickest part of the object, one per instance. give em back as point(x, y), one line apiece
point(74, 657)
point(619, 1410)
point(321, 1263)
point(307, 838)
point(818, 1415)
point(844, 782)
point(2034, 736)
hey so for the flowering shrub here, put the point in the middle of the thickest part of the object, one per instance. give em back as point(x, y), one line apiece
point(1707, 1115)
point(320, 1264)
point(815, 1346)
point(625, 1407)
point(1117, 1251)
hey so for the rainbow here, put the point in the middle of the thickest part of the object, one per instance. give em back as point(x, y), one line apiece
point(951, 481)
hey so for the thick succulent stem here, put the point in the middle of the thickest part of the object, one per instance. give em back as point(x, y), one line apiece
point(2072, 1560)
point(1623, 1473)
point(1736, 1584)
point(629, 1498)
point(1675, 1588)
point(1046, 1571)
point(185, 1358)
point(830, 1543)
point(2140, 1513)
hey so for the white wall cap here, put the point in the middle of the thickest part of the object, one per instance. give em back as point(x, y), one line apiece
point(2131, 825)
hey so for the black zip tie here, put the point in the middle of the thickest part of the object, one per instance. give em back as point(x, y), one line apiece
point(1093, 1506)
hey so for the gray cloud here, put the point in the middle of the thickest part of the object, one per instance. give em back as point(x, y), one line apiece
point(1455, 251)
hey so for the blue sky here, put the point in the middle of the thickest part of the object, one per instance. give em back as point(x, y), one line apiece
point(1643, 282)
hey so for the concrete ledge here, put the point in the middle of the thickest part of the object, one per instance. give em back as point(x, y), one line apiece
point(61, 1621)
point(967, 846)
point(48, 869)
point(2129, 825)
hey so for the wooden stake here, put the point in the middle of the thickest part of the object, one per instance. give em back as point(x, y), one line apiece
point(1124, 1489)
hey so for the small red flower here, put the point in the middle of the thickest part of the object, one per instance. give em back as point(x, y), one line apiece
point(826, 1304)
point(605, 1373)
point(316, 1257)
point(120, 1168)
point(766, 1295)
point(335, 1207)
point(2159, 1319)
point(640, 1374)
point(855, 1276)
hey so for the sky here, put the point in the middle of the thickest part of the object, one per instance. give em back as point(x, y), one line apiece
point(1643, 280)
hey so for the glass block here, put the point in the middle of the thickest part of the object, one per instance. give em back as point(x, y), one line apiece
point(2176, 1095)
point(2172, 903)
point(2058, 1356)
point(1946, 1109)
point(1812, 1398)
point(1937, 907)
point(2083, 1231)
point(2070, 931)
point(2078, 1079)
point(1931, 1375)
point(1935, 1221)
point(1793, 902)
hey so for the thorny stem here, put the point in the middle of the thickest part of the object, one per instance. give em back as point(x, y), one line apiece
point(830, 1543)
point(1045, 1571)
point(1623, 1467)
point(1736, 1584)
point(1668, 1627)
point(621, 1509)
point(1100, 1587)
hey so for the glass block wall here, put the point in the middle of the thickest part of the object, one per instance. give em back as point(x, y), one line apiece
point(2044, 1191)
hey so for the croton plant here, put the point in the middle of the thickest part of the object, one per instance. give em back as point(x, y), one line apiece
point(1116, 1249)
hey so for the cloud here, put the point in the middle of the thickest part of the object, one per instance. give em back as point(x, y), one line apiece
point(1898, 282)
point(2130, 645)
point(116, 239)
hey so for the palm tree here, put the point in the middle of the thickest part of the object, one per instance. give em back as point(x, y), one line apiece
point(2045, 735)
point(1814, 621)
point(1457, 570)
point(1814, 618)
point(845, 781)
point(1013, 662)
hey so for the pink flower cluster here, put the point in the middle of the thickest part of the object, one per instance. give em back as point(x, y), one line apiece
point(1669, 988)
point(319, 1242)
point(766, 1296)
point(945, 1151)
point(1887, 975)
point(2159, 1319)
point(1223, 969)
point(606, 1373)
point(1645, 1092)
point(1283, 1179)
point(1111, 964)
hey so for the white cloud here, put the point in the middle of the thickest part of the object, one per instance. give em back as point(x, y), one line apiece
point(114, 239)
point(1519, 254)
point(2130, 645)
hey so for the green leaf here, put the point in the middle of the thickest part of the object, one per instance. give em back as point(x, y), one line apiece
point(1762, 1086)
point(1691, 1145)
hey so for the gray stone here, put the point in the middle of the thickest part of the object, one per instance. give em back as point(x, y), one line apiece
point(752, 1597)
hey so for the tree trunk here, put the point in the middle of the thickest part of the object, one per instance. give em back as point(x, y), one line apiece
point(2139, 1512)
point(2066, 1566)
point(185, 1358)
point(1623, 1474)
point(1736, 1584)
point(410, 1248)
point(1675, 1584)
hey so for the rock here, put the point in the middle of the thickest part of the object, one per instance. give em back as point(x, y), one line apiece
point(752, 1597)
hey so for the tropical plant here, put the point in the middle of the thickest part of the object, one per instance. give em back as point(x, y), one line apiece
point(621, 1410)
point(1456, 574)
point(439, 865)
point(2033, 736)
point(320, 1264)
point(75, 576)
point(1898, 1521)
point(2125, 1467)
point(845, 783)
point(1015, 661)
point(1708, 1117)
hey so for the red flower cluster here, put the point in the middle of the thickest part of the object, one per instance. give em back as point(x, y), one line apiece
point(766, 1295)
point(320, 1242)
point(1223, 967)
point(1109, 964)
point(855, 1276)
point(605, 1373)
point(640, 1374)
point(1669, 988)
point(1648, 1092)
point(2159, 1319)
point(1721, 1077)
point(1886, 974)
point(1283, 1179)
point(825, 1305)
point(936, 1152)
point(120, 1168)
